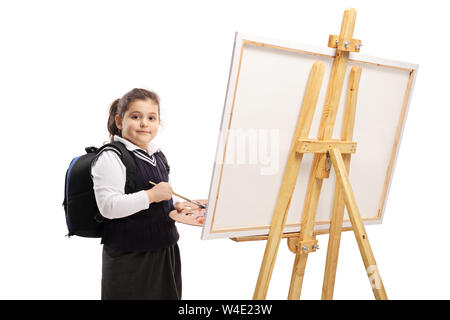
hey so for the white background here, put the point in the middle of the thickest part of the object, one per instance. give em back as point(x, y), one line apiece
point(63, 63)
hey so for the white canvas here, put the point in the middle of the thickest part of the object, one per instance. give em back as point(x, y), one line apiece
point(265, 90)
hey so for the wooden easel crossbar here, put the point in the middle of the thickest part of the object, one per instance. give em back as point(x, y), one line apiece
point(327, 153)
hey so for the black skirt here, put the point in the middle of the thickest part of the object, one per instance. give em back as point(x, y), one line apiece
point(141, 275)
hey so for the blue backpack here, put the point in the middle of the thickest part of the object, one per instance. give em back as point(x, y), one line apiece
point(83, 217)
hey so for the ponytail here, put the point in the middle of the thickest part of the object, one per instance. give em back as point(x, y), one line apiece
point(112, 128)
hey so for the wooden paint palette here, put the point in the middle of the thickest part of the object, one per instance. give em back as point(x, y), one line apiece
point(190, 216)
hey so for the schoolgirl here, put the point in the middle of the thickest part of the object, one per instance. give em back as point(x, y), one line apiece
point(141, 258)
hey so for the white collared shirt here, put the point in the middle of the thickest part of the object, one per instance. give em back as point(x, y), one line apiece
point(109, 176)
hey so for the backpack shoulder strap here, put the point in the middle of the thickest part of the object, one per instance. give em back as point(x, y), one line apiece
point(128, 161)
point(163, 158)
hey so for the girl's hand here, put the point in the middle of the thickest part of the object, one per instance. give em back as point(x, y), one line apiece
point(160, 192)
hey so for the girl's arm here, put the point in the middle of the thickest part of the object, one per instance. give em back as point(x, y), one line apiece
point(109, 175)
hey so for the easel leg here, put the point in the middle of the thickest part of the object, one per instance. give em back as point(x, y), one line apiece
point(337, 217)
point(306, 231)
point(298, 273)
point(334, 241)
point(358, 226)
point(289, 180)
point(326, 126)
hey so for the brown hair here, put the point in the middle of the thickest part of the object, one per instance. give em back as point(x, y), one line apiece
point(121, 105)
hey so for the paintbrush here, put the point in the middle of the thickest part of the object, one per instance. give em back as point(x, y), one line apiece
point(196, 202)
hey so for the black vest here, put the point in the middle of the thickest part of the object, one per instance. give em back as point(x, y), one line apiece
point(148, 229)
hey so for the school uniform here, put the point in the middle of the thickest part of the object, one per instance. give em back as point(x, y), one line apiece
point(141, 258)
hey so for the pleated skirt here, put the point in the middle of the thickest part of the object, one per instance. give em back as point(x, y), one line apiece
point(146, 275)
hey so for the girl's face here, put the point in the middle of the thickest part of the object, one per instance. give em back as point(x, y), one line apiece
point(140, 122)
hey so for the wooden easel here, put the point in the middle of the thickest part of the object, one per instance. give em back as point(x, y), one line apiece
point(326, 152)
